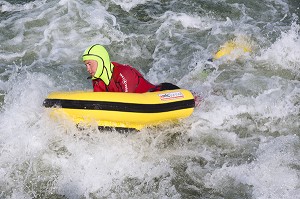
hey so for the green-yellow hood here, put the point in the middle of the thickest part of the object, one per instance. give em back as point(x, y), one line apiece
point(105, 67)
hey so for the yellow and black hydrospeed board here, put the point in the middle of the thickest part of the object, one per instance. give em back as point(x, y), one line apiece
point(121, 110)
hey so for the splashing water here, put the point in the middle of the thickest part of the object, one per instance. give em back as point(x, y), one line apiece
point(241, 142)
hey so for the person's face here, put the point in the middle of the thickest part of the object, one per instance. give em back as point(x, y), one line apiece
point(91, 66)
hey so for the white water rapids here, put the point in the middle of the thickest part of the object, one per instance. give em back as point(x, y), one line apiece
point(241, 142)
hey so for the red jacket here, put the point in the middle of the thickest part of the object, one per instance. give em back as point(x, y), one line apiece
point(124, 79)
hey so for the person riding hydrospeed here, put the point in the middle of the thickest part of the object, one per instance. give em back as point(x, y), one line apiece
point(110, 76)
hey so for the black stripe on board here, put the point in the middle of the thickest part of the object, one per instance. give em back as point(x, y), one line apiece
point(119, 106)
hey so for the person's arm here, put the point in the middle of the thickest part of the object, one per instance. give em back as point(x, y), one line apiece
point(126, 78)
point(127, 81)
point(134, 82)
point(99, 86)
point(130, 80)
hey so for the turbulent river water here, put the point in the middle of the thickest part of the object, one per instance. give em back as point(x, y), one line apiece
point(242, 141)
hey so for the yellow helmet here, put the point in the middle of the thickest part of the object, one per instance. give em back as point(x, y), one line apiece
point(105, 67)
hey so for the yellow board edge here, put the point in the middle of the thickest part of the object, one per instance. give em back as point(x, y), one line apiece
point(122, 119)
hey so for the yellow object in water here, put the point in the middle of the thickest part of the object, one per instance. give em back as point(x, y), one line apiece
point(234, 49)
point(121, 110)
